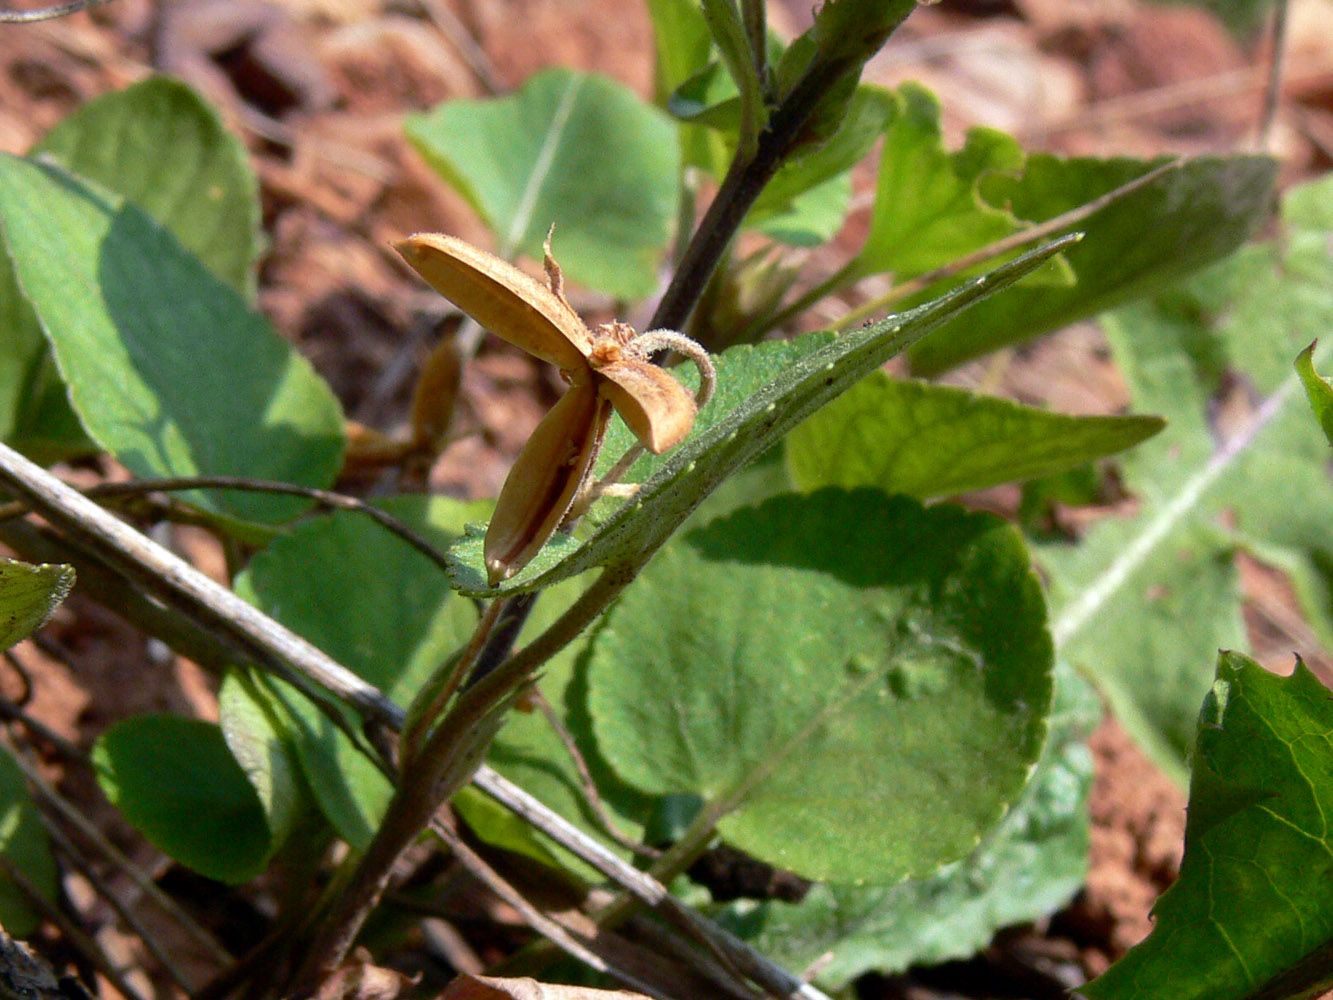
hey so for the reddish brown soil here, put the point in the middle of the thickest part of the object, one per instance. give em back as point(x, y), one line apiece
point(317, 89)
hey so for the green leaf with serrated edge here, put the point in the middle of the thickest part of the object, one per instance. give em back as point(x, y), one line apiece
point(935, 441)
point(1027, 867)
point(257, 734)
point(749, 429)
point(29, 595)
point(1250, 915)
point(1318, 390)
point(574, 150)
point(204, 192)
point(928, 210)
point(175, 781)
point(741, 371)
point(1146, 241)
point(817, 667)
point(379, 607)
point(167, 367)
point(1142, 602)
point(23, 845)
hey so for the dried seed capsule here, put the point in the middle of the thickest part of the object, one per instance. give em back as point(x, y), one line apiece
point(546, 477)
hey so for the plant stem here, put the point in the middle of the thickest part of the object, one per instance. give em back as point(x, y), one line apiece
point(445, 763)
point(743, 183)
point(457, 668)
point(754, 16)
point(324, 498)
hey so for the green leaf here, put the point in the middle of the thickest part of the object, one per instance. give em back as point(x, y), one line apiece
point(24, 846)
point(935, 441)
point(1027, 867)
point(928, 210)
point(823, 173)
point(204, 192)
point(257, 734)
point(1135, 246)
point(34, 410)
point(1142, 602)
point(1250, 915)
point(708, 97)
point(724, 24)
point(713, 452)
point(684, 48)
point(741, 371)
point(846, 33)
point(29, 595)
point(812, 217)
point(1317, 389)
point(576, 150)
point(166, 366)
point(179, 786)
point(377, 606)
point(682, 43)
point(817, 667)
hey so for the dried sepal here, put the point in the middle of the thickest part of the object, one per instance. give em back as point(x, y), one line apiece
point(544, 480)
point(506, 301)
point(655, 406)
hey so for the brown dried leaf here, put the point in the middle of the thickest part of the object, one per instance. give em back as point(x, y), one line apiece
point(468, 987)
point(359, 979)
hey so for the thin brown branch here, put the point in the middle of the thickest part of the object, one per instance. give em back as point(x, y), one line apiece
point(462, 39)
point(46, 795)
point(8, 16)
point(1276, 63)
point(74, 935)
point(141, 559)
point(548, 927)
point(324, 498)
point(590, 794)
point(110, 588)
point(165, 574)
point(128, 917)
point(771, 977)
